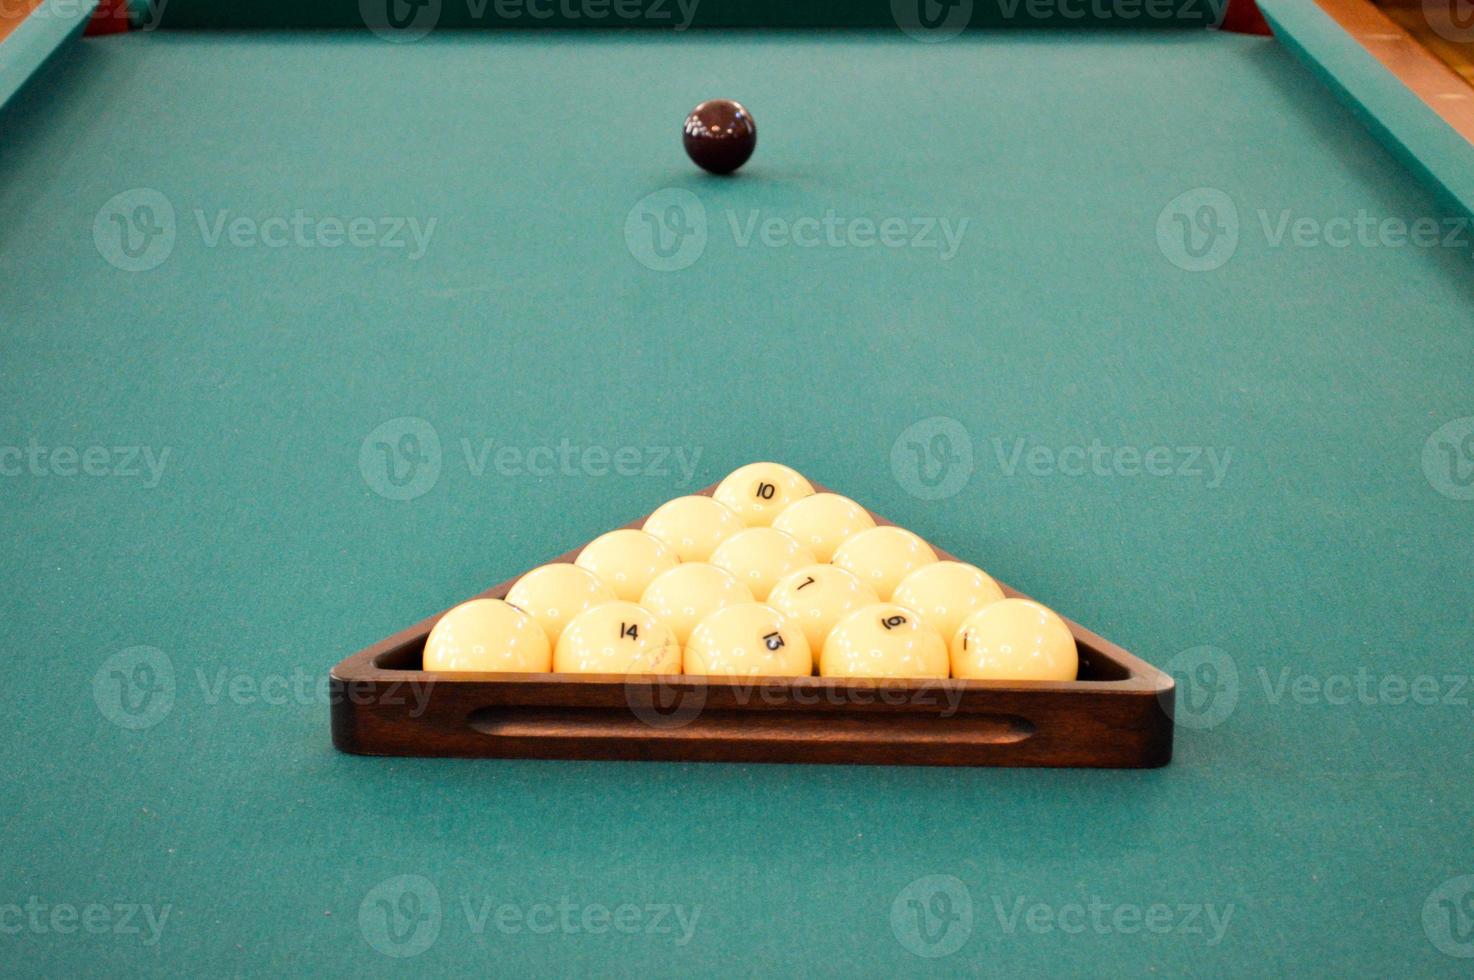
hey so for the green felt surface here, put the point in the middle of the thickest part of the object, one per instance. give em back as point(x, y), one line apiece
point(36, 38)
point(263, 553)
point(1426, 143)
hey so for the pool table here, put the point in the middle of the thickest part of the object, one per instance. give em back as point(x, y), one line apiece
point(306, 334)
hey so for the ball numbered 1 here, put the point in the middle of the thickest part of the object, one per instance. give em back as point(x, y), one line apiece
point(1015, 639)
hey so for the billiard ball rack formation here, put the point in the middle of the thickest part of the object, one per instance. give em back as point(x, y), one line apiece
point(1116, 714)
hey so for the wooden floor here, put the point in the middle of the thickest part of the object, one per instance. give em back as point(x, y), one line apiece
point(1453, 45)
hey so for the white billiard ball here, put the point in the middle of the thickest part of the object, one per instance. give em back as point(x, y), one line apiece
point(760, 556)
point(488, 635)
point(882, 556)
point(823, 522)
point(884, 640)
point(693, 526)
point(554, 594)
point(748, 639)
point(1015, 639)
point(688, 593)
point(627, 560)
point(617, 638)
point(946, 593)
point(818, 596)
point(759, 492)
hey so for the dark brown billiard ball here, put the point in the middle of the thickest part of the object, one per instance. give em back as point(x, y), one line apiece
point(720, 135)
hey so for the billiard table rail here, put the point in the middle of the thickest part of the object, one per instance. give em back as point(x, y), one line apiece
point(1116, 714)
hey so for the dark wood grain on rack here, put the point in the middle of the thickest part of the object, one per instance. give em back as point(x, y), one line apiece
point(1116, 714)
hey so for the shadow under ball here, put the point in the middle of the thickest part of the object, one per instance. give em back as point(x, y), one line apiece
point(719, 135)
